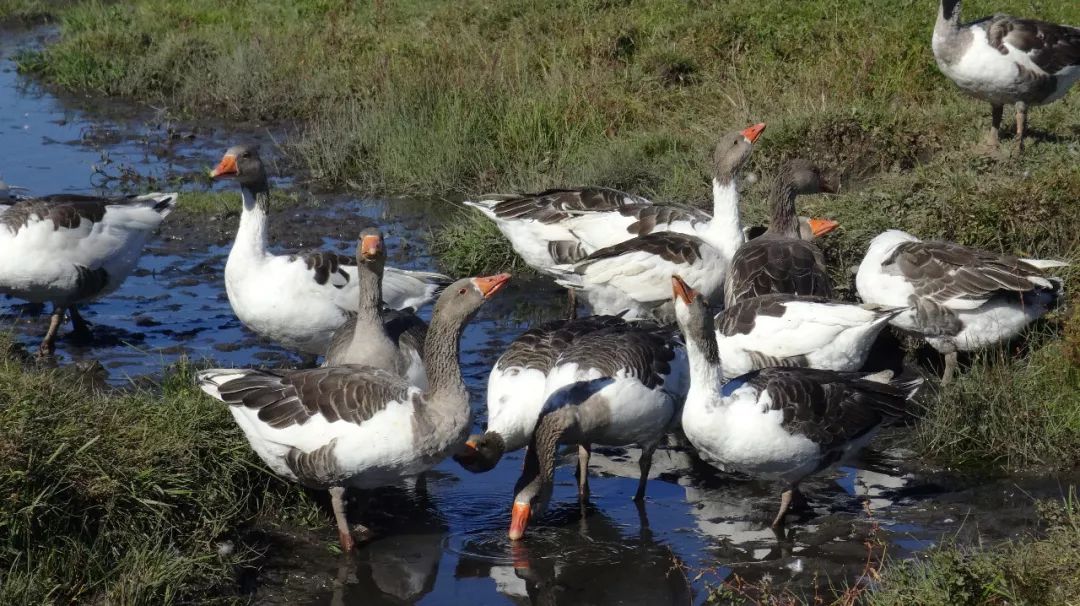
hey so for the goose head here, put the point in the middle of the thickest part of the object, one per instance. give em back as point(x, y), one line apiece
point(690, 311)
point(461, 299)
point(805, 178)
point(243, 164)
point(732, 151)
point(481, 452)
point(370, 250)
point(531, 497)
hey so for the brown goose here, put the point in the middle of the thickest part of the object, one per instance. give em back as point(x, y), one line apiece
point(377, 336)
point(780, 261)
point(961, 298)
point(357, 425)
point(1005, 59)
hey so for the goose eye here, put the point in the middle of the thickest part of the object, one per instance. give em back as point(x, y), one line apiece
point(461, 292)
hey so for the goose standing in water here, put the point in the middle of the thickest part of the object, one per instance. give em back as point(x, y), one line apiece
point(1004, 59)
point(298, 300)
point(796, 331)
point(379, 337)
point(777, 423)
point(69, 249)
point(780, 261)
point(615, 386)
point(516, 388)
point(358, 425)
point(961, 298)
point(561, 226)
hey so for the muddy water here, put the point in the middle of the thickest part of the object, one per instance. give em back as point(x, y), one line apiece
point(443, 541)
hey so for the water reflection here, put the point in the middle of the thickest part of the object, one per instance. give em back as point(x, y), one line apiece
point(581, 557)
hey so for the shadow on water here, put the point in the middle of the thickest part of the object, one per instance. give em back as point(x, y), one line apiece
point(448, 544)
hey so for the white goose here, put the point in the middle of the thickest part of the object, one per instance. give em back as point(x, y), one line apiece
point(1004, 59)
point(614, 386)
point(376, 336)
point(358, 425)
point(298, 300)
point(629, 278)
point(68, 249)
point(561, 226)
point(516, 388)
point(777, 423)
point(961, 298)
point(796, 331)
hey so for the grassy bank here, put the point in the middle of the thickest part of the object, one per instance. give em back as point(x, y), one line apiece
point(124, 498)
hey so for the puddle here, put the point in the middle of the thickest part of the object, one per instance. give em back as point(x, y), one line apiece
point(444, 542)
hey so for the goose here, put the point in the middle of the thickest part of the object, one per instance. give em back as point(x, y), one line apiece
point(615, 386)
point(961, 298)
point(515, 390)
point(561, 226)
point(629, 278)
point(1005, 59)
point(383, 338)
point(797, 331)
point(358, 425)
point(777, 423)
point(780, 261)
point(69, 249)
point(300, 299)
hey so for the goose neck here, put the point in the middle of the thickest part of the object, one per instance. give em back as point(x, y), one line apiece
point(783, 220)
point(251, 236)
point(725, 230)
point(948, 14)
point(369, 283)
point(441, 359)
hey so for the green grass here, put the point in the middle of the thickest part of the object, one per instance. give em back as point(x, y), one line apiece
point(1028, 571)
point(123, 498)
point(226, 201)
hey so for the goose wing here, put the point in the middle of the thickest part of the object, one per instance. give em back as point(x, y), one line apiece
point(952, 274)
point(768, 265)
point(1053, 48)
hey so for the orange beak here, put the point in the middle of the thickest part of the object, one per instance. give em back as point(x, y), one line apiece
point(682, 290)
point(225, 168)
point(753, 132)
point(468, 452)
point(491, 284)
point(519, 519)
point(820, 227)
point(370, 246)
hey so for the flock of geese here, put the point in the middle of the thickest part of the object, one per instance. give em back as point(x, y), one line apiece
point(770, 386)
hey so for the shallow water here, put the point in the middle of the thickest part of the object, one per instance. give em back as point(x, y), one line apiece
point(443, 542)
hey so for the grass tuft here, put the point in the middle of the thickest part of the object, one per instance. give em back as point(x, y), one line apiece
point(123, 497)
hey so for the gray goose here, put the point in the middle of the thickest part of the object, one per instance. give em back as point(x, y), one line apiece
point(777, 423)
point(69, 249)
point(1004, 59)
point(378, 336)
point(516, 388)
point(780, 261)
point(357, 425)
point(614, 386)
point(960, 298)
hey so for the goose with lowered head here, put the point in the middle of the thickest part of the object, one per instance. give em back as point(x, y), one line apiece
point(777, 423)
point(378, 336)
point(960, 298)
point(780, 261)
point(516, 388)
point(358, 425)
point(69, 249)
point(298, 300)
point(614, 386)
point(1004, 59)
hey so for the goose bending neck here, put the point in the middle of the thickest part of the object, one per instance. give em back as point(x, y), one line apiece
point(725, 230)
point(441, 357)
point(539, 472)
point(703, 355)
point(251, 235)
point(783, 220)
